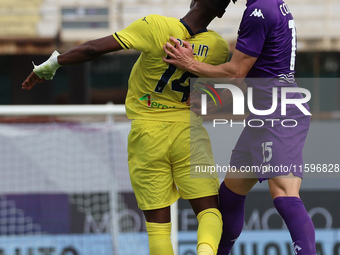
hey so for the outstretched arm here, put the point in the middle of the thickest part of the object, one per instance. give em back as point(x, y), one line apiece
point(89, 51)
point(80, 54)
point(182, 57)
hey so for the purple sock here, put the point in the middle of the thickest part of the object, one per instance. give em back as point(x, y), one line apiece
point(232, 210)
point(299, 224)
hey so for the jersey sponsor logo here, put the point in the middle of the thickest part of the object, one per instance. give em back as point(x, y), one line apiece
point(296, 248)
point(257, 13)
point(160, 106)
point(154, 104)
point(146, 97)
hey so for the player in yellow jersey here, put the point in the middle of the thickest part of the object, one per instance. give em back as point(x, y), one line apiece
point(166, 139)
point(157, 90)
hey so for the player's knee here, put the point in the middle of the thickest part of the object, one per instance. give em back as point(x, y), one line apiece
point(203, 203)
point(159, 238)
point(287, 186)
point(158, 228)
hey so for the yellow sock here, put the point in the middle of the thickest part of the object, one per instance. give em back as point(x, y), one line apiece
point(204, 249)
point(209, 231)
point(159, 238)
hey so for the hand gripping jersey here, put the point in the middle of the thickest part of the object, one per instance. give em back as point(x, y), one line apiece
point(157, 90)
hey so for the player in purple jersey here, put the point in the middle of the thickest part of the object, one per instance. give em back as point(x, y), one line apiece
point(264, 55)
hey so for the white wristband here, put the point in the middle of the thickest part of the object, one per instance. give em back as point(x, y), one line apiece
point(48, 69)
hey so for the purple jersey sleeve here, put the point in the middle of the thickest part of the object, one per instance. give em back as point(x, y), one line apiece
point(252, 32)
point(267, 32)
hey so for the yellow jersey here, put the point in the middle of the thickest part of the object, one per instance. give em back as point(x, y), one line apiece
point(157, 90)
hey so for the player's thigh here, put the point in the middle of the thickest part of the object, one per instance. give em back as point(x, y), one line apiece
point(277, 151)
point(150, 165)
point(241, 178)
point(193, 164)
point(239, 185)
point(161, 215)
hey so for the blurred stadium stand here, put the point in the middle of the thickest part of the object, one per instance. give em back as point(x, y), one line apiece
point(79, 20)
point(31, 30)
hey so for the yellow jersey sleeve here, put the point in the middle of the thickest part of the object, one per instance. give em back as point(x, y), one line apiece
point(139, 35)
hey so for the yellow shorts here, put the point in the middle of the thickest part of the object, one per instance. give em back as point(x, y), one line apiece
point(162, 160)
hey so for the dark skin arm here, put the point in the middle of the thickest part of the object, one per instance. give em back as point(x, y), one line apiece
point(83, 53)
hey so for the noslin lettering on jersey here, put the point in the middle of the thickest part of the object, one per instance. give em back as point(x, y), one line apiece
point(202, 50)
point(257, 13)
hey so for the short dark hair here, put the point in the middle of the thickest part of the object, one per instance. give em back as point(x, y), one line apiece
point(223, 4)
point(220, 6)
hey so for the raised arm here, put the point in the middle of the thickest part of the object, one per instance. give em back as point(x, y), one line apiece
point(79, 54)
point(182, 57)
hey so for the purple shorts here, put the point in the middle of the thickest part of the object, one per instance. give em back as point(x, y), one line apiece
point(271, 150)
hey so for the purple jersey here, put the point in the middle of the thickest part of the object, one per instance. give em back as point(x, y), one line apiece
point(267, 32)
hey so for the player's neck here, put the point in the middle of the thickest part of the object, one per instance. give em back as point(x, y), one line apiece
point(196, 20)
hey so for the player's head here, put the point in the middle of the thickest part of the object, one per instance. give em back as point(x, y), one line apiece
point(216, 7)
